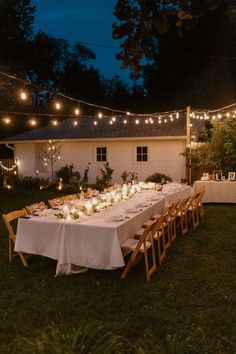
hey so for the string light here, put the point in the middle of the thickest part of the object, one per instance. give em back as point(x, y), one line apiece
point(9, 168)
point(54, 122)
point(75, 123)
point(58, 105)
point(7, 120)
point(169, 116)
point(77, 111)
point(23, 95)
point(33, 122)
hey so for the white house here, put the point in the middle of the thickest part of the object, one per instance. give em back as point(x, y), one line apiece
point(144, 148)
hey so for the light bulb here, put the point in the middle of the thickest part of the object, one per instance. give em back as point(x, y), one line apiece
point(57, 105)
point(100, 115)
point(23, 95)
point(7, 120)
point(33, 122)
point(77, 111)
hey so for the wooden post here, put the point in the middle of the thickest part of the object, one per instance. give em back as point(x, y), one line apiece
point(188, 146)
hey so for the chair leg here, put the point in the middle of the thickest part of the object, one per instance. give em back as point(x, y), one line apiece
point(10, 250)
point(23, 260)
point(128, 265)
point(161, 247)
point(195, 217)
point(184, 223)
point(168, 229)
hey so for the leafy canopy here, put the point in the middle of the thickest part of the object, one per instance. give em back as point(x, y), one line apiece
point(141, 23)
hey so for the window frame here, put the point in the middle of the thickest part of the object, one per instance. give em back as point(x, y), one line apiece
point(101, 154)
point(141, 154)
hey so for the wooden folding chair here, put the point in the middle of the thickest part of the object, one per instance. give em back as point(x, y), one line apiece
point(159, 234)
point(171, 218)
point(8, 219)
point(55, 202)
point(182, 215)
point(193, 212)
point(139, 247)
point(35, 207)
point(200, 204)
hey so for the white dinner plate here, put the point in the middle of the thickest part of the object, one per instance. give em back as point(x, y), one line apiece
point(133, 210)
point(117, 218)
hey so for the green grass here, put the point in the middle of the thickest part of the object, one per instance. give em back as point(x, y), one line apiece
point(190, 299)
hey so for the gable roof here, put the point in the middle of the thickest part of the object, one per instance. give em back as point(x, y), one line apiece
point(65, 130)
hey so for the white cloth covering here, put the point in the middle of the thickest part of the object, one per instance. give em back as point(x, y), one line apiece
point(93, 242)
point(217, 191)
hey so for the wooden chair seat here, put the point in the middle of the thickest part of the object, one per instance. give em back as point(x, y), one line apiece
point(131, 243)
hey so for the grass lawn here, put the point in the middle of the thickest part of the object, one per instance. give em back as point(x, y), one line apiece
point(190, 299)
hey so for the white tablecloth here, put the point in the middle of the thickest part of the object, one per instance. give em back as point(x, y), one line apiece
point(217, 191)
point(93, 242)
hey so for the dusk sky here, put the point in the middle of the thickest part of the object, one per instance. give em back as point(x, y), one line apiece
point(86, 21)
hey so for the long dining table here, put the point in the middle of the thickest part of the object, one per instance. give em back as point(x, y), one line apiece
point(92, 241)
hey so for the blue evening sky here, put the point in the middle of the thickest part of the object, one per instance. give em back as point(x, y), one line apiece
point(83, 21)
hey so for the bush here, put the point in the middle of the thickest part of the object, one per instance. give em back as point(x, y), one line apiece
point(157, 178)
point(105, 178)
point(27, 182)
point(67, 173)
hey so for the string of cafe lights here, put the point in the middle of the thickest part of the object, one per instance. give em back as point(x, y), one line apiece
point(24, 95)
point(147, 118)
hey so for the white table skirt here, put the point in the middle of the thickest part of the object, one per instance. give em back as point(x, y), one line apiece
point(217, 191)
point(93, 242)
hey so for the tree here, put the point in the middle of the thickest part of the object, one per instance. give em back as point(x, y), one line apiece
point(220, 151)
point(143, 22)
point(16, 21)
point(51, 155)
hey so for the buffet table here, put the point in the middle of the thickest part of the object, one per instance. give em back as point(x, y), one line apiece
point(93, 241)
point(217, 191)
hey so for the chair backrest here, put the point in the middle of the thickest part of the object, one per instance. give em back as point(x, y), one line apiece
point(8, 218)
point(159, 223)
point(55, 202)
point(70, 197)
point(35, 207)
point(147, 236)
point(184, 205)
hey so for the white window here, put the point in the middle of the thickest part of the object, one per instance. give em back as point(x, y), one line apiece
point(142, 154)
point(101, 154)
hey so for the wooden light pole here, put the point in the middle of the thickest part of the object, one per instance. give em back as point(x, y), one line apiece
point(188, 146)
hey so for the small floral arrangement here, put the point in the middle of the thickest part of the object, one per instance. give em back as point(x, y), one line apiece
point(60, 216)
point(95, 209)
point(74, 215)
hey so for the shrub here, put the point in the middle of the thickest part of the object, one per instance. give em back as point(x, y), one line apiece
point(66, 173)
point(27, 182)
point(157, 178)
point(105, 178)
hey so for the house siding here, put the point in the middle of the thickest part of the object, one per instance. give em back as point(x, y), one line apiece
point(163, 156)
